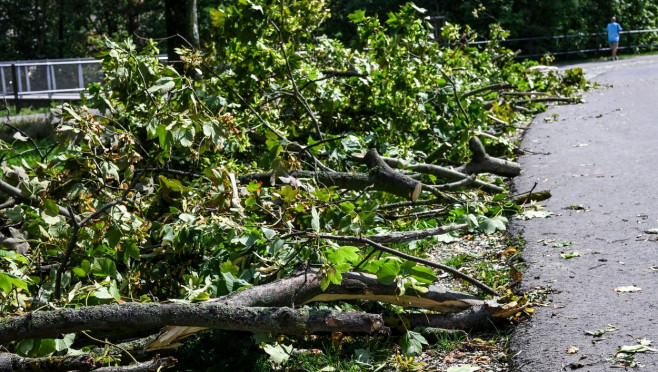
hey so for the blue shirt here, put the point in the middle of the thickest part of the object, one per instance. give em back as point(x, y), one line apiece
point(613, 29)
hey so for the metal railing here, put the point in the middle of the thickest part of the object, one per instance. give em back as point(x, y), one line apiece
point(45, 79)
point(581, 44)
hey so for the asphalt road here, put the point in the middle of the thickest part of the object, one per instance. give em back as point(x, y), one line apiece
point(601, 156)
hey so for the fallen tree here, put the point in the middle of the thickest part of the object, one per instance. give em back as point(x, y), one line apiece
point(272, 307)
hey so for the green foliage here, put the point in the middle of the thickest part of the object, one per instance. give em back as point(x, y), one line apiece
point(412, 343)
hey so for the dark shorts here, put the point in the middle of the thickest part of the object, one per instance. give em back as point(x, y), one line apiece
point(614, 44)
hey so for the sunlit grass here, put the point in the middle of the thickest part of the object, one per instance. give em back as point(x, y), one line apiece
point(19, 153)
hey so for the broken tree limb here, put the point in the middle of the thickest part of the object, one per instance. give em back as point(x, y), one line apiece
point(305, 287)
point(15, 363)
point(407, 236)
point(47, 324)
point(439, 171)
point(380, 176)
point(18, 194)
point(155, 365)
point(448, 269)
point(483, 163)
point(476, 317)
point(390, 180)
point(488, 88)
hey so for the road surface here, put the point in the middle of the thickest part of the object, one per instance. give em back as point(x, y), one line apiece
point(600, 162)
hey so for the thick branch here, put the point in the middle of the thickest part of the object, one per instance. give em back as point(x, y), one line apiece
point(476, 317)
point(15, 363)
point(439, 171)
point(46, 324)
point(304, 287)
point(155, 365)
point(380, 176)
point(483, 163)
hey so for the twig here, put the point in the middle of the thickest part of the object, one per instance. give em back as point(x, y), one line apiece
point(110, 344)
point(409, 257)
point(492, 87)
point(454, 91)
point(298, 95)
point(423, 214)
point(405, 204)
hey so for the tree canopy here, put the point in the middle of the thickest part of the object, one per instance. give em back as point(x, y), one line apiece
point(61, 29)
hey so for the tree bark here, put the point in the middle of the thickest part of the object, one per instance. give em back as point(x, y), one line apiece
point(181, 20)
point(15, 363)
point(47, 324)
point(304, 287)
point(155, 365)
point(380, 177)
point(451, 174)
point(476, 317)
point(483, 163)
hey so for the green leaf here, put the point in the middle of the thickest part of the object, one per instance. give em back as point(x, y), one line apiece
point(279, 354)
point(344, 254)
point(113, 236)
point(423, 274)
point(36, 348)
point(51, 207)
point(412, 343)
point(9, 281)
point(62, 344)
point(103, 266)
point(163, 85)
point(132, 250)
point(13, 256)
point(103, 293)
point(358, 16)
point(388, 271)
point(491, 225)
point(571, 255)
point(110, 170)
point(315, 220)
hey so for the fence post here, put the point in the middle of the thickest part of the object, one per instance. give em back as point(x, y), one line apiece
point(4, 82)
point(14, 77)
point(81, 82)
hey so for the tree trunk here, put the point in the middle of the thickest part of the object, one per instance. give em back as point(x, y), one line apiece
point(182, 26)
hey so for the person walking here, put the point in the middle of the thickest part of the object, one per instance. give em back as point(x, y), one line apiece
point(613, 29)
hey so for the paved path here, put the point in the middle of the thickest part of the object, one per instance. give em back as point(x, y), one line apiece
point(602, 155)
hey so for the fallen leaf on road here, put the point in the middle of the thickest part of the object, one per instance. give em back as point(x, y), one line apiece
point(463, 368)
point(600, 332)
point(628, 288)
point(534, 214)
point(565, 243)
point(571, 255)
point(641, 347)
point(572, 350)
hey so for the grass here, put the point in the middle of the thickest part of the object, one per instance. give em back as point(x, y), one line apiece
point(24, 110)
point(17, 152)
